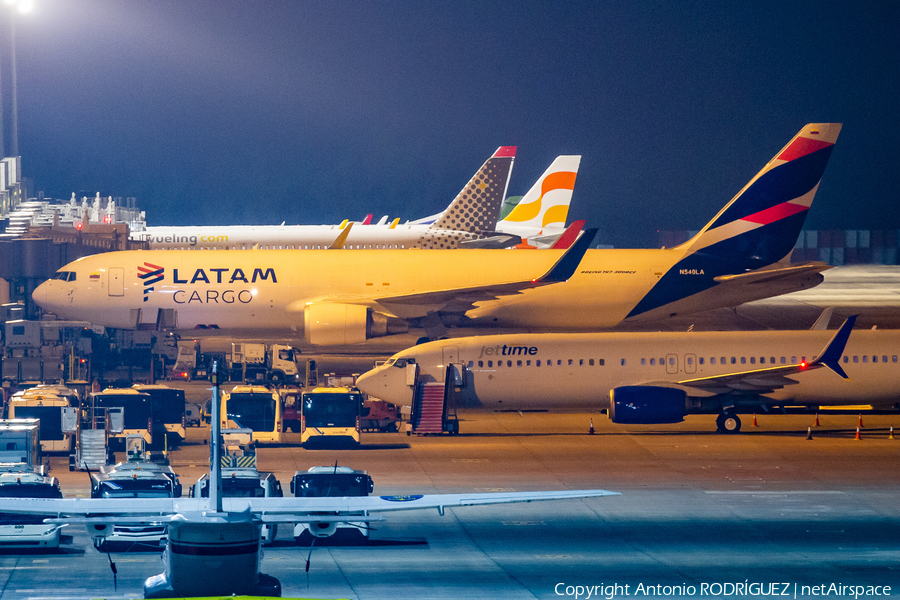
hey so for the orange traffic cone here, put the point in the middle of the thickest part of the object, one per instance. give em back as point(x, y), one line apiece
point(857, 434)
point(809, 433)
point(591, 430)
point(754, 420)
point(816, 424)
point(860, 421)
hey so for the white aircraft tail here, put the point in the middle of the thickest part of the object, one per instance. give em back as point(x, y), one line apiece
point(546, 204)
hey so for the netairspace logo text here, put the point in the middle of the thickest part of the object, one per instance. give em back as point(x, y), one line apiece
point(734, 590)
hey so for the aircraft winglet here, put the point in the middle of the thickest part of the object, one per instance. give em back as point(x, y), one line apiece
point(568, 237)
point(568, 263)
point(831, 355)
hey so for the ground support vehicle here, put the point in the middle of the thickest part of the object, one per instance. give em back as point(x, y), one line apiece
point(379, 415)
point(333, 482)
point(137, 477)
point(240, 478)
point(260, 363)
point(330, 417)
point(92, 426)
point(23, 476)
point(253, 407)
point(167, 409)
point(45, 402)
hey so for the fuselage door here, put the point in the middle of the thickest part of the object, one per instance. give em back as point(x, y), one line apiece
point(450, 356)
point(690, 363)
point(116, 281)
point(671, 364)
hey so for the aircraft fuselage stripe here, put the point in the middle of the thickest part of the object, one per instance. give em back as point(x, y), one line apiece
point(212, 550)
point(776, 213)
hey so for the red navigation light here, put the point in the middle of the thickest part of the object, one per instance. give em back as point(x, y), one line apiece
point(79, 226)
point(803, 365)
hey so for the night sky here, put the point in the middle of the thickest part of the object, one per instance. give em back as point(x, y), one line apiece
point(258, 112)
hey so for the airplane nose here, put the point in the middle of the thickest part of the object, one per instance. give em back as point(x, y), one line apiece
point(365, 382)
point(39, 295)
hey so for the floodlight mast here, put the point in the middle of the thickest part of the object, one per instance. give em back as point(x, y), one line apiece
point(215, 441)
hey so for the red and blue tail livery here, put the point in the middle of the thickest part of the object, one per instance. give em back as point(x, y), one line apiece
point(757, 229)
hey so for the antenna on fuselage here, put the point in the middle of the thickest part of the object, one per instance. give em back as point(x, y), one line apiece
point(215, 439)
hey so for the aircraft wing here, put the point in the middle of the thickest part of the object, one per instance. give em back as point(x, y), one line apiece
point(271, 510)
point(461, 299)
point(775, 275)
point(772, 378)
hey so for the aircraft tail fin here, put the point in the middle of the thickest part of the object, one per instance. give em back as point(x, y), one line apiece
point(831, 355)
point(477, 206)
point(547, 202)
point(367, 220)
point(339, 241)
point(762, 222)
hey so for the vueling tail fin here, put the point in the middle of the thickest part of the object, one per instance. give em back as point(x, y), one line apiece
point(763, 221)
point(477, 206)
point(547, 202)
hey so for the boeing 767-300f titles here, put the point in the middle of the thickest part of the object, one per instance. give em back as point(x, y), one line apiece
point(339, 298)
point(213, 546)
point(647, 378)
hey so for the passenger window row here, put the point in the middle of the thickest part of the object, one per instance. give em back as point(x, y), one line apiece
point(689, 361)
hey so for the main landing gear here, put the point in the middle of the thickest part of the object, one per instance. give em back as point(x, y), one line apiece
point(728, 422)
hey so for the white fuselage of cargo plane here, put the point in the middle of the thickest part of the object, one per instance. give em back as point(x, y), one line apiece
point(277, 290)
point(578, 371)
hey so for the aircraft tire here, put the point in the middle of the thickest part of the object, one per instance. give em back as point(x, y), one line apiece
point(728, 422)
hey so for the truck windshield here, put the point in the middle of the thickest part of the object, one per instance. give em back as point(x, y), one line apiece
point(134, 488)
point(331, 410)
point(168, 405)
point(236, 488)
point(30, 490)
point(137, 407)
point(335, 486)
point(50, 416)
point(255, 411)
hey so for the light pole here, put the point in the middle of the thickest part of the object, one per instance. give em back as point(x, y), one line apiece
point(21, 7)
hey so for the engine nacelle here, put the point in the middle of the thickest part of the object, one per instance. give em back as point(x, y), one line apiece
point(322, 529)
point(328, 324)
point(646, 405)
point(99, 531)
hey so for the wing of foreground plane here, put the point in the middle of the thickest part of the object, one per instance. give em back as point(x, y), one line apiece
point(767, 380)
point(269, 510)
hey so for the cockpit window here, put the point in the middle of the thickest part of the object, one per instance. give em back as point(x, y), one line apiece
point(402, 362)
point(65, 275)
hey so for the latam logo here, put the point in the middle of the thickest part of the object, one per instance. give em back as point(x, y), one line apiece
point(150, 274)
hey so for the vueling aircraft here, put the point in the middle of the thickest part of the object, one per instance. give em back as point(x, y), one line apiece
point(540, 216)
point(340, 298)
point(470, 221)
point(213, 546)
point(649, 378)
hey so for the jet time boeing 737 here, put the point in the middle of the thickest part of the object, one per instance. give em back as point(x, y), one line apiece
point(341, 298)
point(652, 377)
point(213, 546)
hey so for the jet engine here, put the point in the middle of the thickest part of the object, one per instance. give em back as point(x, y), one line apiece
point(327, 324)
point(646, 405)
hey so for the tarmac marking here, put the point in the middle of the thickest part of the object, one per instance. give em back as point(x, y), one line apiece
point(753, 493)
